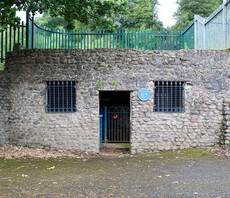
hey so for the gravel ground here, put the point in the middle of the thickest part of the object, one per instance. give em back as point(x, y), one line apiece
point(185, 173)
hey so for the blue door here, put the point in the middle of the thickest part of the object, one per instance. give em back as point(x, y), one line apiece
point(100, 129)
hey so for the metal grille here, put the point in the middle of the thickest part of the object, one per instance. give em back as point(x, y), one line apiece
point(116, 124)
point(169, 96)
point(61, 96)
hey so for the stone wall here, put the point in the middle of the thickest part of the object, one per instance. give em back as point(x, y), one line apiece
point(207, 84)
point(4, 108)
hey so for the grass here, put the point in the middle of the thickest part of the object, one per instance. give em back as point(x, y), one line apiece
point(186, 154)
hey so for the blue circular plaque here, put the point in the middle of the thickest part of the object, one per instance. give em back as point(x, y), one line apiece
point(144, 94)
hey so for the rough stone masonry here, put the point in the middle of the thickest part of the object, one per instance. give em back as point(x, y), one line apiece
point(23, 120)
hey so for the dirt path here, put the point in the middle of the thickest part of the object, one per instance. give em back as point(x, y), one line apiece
point(187, 173)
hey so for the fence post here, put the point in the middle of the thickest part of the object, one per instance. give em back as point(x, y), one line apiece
point(204, 34)
point(195, 31)
point(198, 30)
point(32, 39)
point(182, 40)
point(27, 30)
point(224, 17)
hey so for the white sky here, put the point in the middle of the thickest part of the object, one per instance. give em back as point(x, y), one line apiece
point(165, 12)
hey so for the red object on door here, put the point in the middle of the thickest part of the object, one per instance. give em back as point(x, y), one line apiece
point(115, 116)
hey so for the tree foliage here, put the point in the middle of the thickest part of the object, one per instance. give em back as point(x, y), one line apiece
point(140, 14)
point(58, 22)
point(80, 10)
point(51, 22)
point(188, 8)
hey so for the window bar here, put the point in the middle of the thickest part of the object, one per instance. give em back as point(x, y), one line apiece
point(155, 96)
point(46, 96)
point(63, 97)
point(75, 87)
point(176, 109)
point(67, 104)
point(54, 96)
point(171, 105)
point(163, 95)
point(180, 108)
point(71, 95)
point(49, 97)
point(58, 97)
point(167, 97)
point(158, 96)
point(183, 99)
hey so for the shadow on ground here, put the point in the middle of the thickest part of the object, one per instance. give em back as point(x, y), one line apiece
point(185, 173)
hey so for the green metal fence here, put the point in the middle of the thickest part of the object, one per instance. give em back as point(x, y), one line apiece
point(33, 35)
point(188, 36)
point(50, 38)
point(9, 37)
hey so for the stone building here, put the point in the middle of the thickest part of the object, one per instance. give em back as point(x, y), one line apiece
point(77, 99)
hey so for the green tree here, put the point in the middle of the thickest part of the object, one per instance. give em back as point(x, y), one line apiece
point(188, 8)
point(140, 14)
point(80, 10)
point(58, 22)
point(51, 22)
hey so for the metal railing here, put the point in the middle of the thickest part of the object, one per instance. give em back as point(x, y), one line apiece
point(9, 37)
point(50, 38)
point(115, 125)
point(33, 35)
point(213, 32)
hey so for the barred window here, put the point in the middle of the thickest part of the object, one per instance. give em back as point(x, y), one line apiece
point(169, 96)
point(60, 96)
